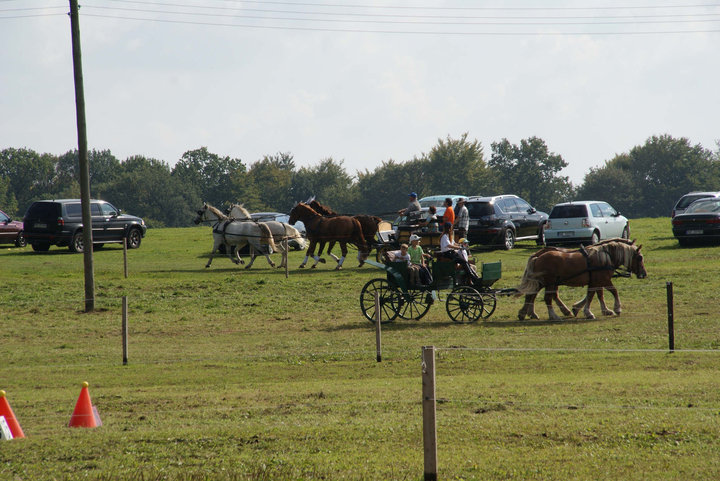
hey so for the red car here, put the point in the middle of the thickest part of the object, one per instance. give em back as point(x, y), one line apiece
point(11, 231)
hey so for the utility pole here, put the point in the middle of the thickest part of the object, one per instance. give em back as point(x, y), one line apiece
point(83, 155)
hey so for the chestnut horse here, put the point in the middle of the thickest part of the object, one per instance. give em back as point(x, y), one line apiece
point(369, 224)
point(343, 229)
point(592, 266)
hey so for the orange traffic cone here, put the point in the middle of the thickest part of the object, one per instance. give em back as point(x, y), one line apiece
point(85, 414)
point(6, 410)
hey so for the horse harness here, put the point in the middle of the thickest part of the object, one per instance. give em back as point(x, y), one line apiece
point(595, 268)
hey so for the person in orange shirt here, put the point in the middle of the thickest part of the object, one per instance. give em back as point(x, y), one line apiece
point(449, 215)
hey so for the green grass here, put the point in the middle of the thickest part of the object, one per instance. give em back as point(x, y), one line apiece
point(237, 374)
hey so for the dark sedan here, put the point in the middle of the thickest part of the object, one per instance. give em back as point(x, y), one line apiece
point(11, 231)
point(699, 223)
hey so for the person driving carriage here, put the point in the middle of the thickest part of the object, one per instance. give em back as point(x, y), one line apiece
point(413, 205)
point(450, 250)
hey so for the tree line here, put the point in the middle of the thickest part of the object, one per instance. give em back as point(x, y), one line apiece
point(644, 182)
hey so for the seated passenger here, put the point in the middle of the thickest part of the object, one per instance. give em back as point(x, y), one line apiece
point(417, 258)
point(403, 255)
point(430, 223)
point(450, 250)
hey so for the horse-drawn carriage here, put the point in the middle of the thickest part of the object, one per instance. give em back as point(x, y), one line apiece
point(398, 297)
point(390, 238)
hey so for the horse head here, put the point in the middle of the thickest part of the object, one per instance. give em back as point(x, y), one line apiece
point(201, 214)
point(301, 212)
point(238, 211)
point(637, 265)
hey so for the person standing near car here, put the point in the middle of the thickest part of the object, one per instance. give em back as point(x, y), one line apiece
point(413, 205)
point(462, 219)
point(449, 216)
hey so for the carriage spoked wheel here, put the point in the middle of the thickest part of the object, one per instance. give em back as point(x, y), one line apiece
point(413, 304)
point(465, 305)
point(389, 300)
point(489, 304)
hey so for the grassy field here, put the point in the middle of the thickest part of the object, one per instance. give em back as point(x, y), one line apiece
point(237, 374)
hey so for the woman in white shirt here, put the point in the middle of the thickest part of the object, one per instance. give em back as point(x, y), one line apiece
point(449, 250)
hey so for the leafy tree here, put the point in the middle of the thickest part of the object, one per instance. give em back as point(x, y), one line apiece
point(273, 178)
point(611, 183)
point(147, 188)
point(210, 176)
point(456, 166)
point(328, 182)
point(104, 168)
point(530, 171)
point(30, 175)
point(385, 190)
point(7, 198)
point(648, 180)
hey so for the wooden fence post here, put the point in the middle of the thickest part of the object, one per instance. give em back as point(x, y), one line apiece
point(429, 427)
point(378, 344)
point(125, 330)
point(671, 317)
point(125, 256)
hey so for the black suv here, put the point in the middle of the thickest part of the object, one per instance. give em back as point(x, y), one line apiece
point(501, 220)
point(59, 222)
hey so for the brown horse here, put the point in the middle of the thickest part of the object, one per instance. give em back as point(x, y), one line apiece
point(592, 266)
point(369, 224)
point(341, 228)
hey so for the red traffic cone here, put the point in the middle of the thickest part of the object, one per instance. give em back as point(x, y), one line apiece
point(6, 410)
point(85, 415)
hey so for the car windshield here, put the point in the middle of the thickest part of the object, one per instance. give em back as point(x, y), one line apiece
point(568, 211)
point(704, 207)
point(689, 199)
point(436, 202)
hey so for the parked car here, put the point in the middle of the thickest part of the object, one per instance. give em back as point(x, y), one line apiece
point(687, 199)
point(501, 220)
point(11, 231)
point(700, 221)
point(584, 222)
point(279, 217)
point(59, 222)
point(439, 202)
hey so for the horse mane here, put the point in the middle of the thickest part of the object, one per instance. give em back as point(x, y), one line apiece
point(309, 209)
point(242, 210)
point(320, 208)
point(217, 212)
point(620, 251)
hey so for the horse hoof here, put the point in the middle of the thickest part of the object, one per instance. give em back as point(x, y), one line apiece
point(301, 266)
point(338, 268)
point(247, 267)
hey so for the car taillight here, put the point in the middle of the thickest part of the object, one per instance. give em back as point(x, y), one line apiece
point(712, 221)
point(60, 221)
point(585, 222)
point(676, 222)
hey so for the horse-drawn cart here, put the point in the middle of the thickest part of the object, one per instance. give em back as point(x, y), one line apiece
point(465, 303)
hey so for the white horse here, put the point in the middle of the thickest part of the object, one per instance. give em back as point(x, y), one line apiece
point(230, 233)
point(280, 230)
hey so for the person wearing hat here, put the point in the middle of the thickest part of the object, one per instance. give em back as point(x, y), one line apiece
point(462, 219)
point(417, 258)
point(450, 250)
point(413, 205)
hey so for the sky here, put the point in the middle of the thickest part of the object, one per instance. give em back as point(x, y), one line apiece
point(363, 81)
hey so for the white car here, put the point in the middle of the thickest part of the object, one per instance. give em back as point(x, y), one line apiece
point(584, 222)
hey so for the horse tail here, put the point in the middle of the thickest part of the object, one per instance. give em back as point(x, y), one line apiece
point(529, 284)
point(266, 236)
point(362, 244)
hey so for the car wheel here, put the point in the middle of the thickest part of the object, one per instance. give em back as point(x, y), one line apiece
point(77, 244)
point(20, 240)
point(626, 233)
point(41, 246)
point(134, 238)
point(508, 239)
point(541, 236)
point(594, 238)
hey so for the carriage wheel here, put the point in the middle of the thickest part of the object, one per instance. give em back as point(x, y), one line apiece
point(413, 304)
point(464, 304)
point(389, 297)
point(489, 304)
